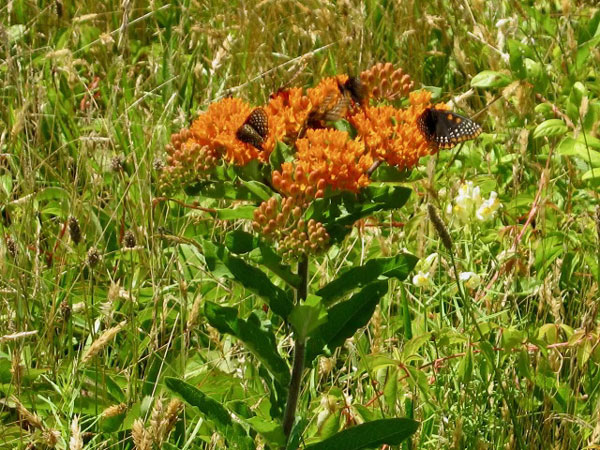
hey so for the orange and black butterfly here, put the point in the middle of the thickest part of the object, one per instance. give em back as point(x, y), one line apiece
point(337, 103)
point(445, 129)
point(255, 129)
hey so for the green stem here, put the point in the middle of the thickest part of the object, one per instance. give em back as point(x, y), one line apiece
point(289, 415)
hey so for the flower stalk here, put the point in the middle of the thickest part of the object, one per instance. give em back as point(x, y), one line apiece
point(289, 415)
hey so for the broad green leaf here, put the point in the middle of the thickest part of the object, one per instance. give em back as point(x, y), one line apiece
point(266, 256)
point(592, 176)
point(213, 410)
point(369, 435)
point(307, 316)
point(344, 319)
point(241, 242)
point(271, 431)
point(490, 79)
point(260, 342)
point(550, 128)
point(576, 147)
point(259, 189)
point(398, 266)
point(517, 52)
point(249, 276)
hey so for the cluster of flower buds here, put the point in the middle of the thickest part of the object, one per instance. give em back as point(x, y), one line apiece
point(386, 83)
point(186, 160)
point(281, 222)
point(311, 186)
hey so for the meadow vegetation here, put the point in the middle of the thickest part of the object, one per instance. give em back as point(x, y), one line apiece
point(132, 301)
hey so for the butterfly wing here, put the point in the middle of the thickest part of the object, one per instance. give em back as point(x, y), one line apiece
point(255, 129)
point(445, 129)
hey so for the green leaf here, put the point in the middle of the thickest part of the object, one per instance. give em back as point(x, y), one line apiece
point(259, 189)
point(592, 176)
point(398, 266)
point(213, 410)
point(576, 147)
point(465, 368)
point(260, 342)
point(217, 257)
point(343, 319)
point(344, 125)
point(266, 256)
point(511, 338)
point(550, 128)
point(280, 154)
point(271, 431)
point(390, 389)
point(241, 212)
point(390, 174)
point(517, 52)
point(240, 242)
point(369, 435)
point(490, 79)
point(338, 213)
point(307, 316)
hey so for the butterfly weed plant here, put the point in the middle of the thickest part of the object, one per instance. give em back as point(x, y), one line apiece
point(292, 177)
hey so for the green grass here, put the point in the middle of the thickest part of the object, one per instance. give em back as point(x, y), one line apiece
point(89, 95)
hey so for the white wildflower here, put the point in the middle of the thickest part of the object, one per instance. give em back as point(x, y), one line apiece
point(488, 208)
point(422, 279)
point(469, 203)
point(470, 279)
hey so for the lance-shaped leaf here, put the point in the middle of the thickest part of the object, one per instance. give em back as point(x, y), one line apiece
point(398, 266)
point(369, 435)
point(214, 411)
point(260, 342)
point(307, 316)
point(240, 242)
point(255, 280)
point(338, 213)
point(344, 318)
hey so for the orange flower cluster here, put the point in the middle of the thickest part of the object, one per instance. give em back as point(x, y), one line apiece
point(392, 134)
point(216, 129)
point(325, 158)
point(289, 109)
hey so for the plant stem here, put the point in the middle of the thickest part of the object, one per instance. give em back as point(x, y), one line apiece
point(289, 415)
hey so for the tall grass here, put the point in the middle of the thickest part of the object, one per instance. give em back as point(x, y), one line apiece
point(97, 306)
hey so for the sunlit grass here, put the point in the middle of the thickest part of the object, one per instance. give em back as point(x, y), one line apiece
point(92, 319)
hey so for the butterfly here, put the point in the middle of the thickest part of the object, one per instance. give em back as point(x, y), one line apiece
point(445, 129)
point(337, 102)
point(255, 129)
